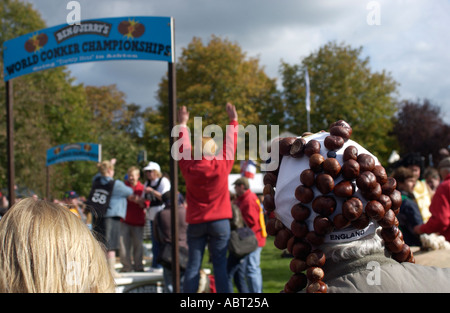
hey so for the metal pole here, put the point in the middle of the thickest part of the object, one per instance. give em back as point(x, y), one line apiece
point(10, 140)
point(173, 170)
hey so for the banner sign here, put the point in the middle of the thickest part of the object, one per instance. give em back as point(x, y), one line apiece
point(122, 38)
point(74, 152)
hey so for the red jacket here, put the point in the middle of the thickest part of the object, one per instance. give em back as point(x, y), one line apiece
point(135, 214)
point(439, 221)
point(207, 195)
point(251, 210)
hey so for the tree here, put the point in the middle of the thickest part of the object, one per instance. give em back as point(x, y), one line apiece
point(208, 76)
point(342, 86)
point(419, 127)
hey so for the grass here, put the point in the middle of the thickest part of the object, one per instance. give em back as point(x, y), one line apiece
point(274, 268)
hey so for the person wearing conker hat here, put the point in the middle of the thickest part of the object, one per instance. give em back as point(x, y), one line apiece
point(335, 211)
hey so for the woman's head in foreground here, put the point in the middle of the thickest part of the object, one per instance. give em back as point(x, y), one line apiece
point(45, 248)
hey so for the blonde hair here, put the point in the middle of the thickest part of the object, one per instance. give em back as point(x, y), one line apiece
point(133, 169)
point(46, 249)
point(104, 167)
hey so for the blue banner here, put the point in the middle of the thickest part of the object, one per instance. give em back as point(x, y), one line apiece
point(122, 38)
point(74, 152)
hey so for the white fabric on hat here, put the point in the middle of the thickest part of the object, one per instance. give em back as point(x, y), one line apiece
point(289, 179)
point(152, 166)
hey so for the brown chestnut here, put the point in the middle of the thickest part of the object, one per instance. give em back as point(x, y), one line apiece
point(350, 153)
point(350, 169)
point(268, 189)
point(301, 250)
point(344, 189)
point(341, 131)
point(366, 181)
point(307, 178)
point(375, 210)
point(312, 147)
point(282, 238)
point(380, 174)
point(322, 225)
point(304, 194)
point(300, 212)
point(324, 205)
point(314, 273)
point(395, 246)
point(270, 178)
point(315, 162)
point(298, 148)
point(285, 145)
point(361, 222)
point(389, 186)
point(388, 219)
point(273, 226)
point(390, 233)
point(332, 167)
point(324, 183)
point(352, 209)
point(297, 265)
point(403, 255)
point(343, 124)
point(340, 221)
point(373, 193)
point(385, 202)
point(296, 283)
point(396, 198)
point(299, 229)
point(269, 202)
point(366, 161)
point(333, 142)
point(317, 287)
point(315, 239)
point(316, 258)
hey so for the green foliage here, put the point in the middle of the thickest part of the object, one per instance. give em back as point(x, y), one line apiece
point(342, 86)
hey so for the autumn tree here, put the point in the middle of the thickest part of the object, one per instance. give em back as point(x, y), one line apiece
point(419, 127)
point(208, 76)
point(342, 86)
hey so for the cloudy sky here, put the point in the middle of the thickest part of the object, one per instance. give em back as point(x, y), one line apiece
point(410, 39)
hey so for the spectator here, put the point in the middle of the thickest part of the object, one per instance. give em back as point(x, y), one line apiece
point(414, 161)
point(132, 226)
point(432, 178)
point(343, 240)
point(154, 187)
point(409, 215)
point(163, 234)
point(108, 199)
point(439, 221)
point(71, 200)
point(253, 216)
point(208, 201)
point(236, 266)
point(61, 254)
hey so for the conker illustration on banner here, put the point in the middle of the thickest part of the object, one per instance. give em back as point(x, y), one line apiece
point(328, 189)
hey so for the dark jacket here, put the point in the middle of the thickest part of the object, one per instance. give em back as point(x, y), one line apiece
point(408, 217)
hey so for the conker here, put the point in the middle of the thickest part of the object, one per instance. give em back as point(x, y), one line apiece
point(304, 194)
point(317, 287)
point(299, 229)
point(324, 205)
point(375, 210)
point(298, 148)
point(273, 226)
point(322, 225)
point(332, 167)
point(300, 212)
point(388, 219)
point(350, 169)
point(297, 265)
point(312, 147)
point(282, 238)
point(285, 145)
point(380, 174)
point(271, 179)
point(361, 222)
point(352, 209)
point(315, 239)
point(314, 273)
point(315, 162)
point(366, 161)
point(333, 142)
point(324, 183)
point(350, 153)
point(340, 221)
point(344, 189)
point(366, 181)
point(389, 186)
point(316, 258)
point(341, 131)
point(307, 178)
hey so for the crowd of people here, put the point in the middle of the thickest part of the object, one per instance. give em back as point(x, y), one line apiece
point(116, 212)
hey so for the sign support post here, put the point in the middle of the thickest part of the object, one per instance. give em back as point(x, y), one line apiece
point(10, 141)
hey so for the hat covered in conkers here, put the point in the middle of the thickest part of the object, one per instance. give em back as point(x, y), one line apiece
point(329, 189)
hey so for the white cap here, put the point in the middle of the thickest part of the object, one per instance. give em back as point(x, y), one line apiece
point(152, 166)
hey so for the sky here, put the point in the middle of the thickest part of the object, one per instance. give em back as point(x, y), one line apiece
point(409, 39)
